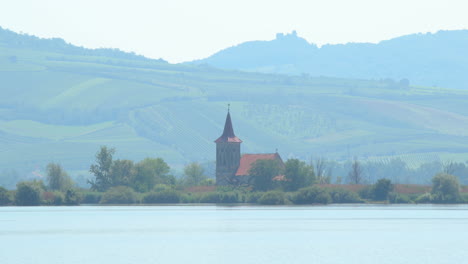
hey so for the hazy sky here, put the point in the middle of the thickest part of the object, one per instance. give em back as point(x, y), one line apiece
point(182, 30)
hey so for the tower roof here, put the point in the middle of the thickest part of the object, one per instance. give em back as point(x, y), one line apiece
point(228, 133)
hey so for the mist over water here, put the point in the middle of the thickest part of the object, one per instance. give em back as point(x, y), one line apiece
point(215, 234)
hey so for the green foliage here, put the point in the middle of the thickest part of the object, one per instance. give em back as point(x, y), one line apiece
point(252, 197)
point(101, 169)
point(150, 172)
point(53, 198)
point(399, 198)
point(221, 197)
point(424, 198)
point(189, 198)
point(341, 195)
point(5, 198)
point(445, 188)
point(166, 196)
point(121, 172)
point(72, 197)
point(90, 197)
point(207, 182)
point(272, 198)
point(57, 178)
point(367, 192)
point(381, 189)
point(355, 174)
point(262, 173)
point(312, 195)
point(194, 174)
point(298, 175)
point(464, 198)
point(119, 195)
point(29, 193)
point(162, 187)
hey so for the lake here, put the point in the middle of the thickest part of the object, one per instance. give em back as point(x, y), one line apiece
point(238, 234)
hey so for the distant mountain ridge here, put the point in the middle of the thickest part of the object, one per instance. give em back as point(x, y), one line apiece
point(12, 39)
point(438, 59)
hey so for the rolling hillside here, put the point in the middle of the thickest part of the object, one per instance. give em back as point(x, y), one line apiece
point(425, 59)
point(61, 105)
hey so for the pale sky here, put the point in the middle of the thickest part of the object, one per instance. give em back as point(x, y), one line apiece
point(184, 30)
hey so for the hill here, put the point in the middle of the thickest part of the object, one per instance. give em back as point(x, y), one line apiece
point(425, 59)
point(61, 104)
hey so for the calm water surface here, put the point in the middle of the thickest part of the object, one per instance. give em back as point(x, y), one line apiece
point(216, 234)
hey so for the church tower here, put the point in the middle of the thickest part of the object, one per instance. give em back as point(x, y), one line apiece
point(227, 154)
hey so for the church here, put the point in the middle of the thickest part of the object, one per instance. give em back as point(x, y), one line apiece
point(231, 167)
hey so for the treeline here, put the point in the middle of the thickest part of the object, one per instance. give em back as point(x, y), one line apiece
point(57, 45)
point(445, 189)
point(395, 169)
point(150, 182)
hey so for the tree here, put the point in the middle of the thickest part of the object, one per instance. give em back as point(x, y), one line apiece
point(101, 169)
point(445, 188)
point(298, 175)
point(121, 172)
point(150, 172)
point(320, 168)
point(28, 193)
point(458, 169)
point(404, 83)
point(4, 196)
point(262, 173)
point(57, 178)
point(355, 174)
point(382, 189)
point(194, 174)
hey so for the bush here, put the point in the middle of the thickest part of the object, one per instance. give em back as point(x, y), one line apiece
point(4, 196)
point(190, 198)
point(399, 198)
point(211, 197)
point(28, 193)
point(221, 197)
point(72, 197)
point(367, 192)
point(253, 197)
point(340, 195)
point(230, 197)
point(119, 195)
point(91, 197)
point(162, 187)
point(381, 189)
point(272, 198)
point(424, 198)
point(445, 188)
point(312, 195)
point(207, 182)
point(53, 198)
point(464, 198)
point(167, 196)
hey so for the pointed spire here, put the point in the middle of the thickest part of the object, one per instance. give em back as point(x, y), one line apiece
point(228, 132)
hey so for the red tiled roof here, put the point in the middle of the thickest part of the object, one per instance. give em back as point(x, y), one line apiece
point(228, 132)
point(247, 160)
